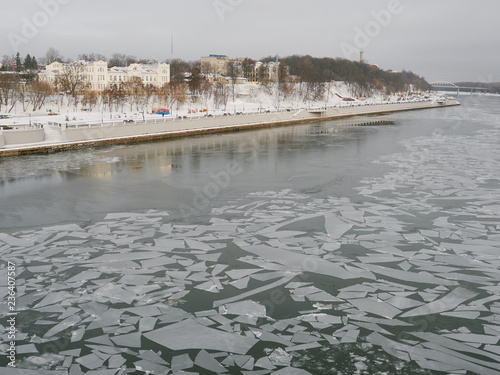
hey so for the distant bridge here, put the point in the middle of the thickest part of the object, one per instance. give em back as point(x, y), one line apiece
point(448, 86)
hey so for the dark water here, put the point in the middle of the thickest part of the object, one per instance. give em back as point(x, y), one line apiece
point(323, 247)
point(321, 159)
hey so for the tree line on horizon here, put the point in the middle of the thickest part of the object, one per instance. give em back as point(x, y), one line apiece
point(305, 77)
point(307, 68)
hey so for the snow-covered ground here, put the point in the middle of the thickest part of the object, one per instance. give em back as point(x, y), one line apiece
point(248, 98)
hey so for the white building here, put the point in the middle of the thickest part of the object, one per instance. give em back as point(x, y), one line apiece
point(99, 76)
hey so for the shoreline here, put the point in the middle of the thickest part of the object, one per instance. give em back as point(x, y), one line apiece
point(85, 137)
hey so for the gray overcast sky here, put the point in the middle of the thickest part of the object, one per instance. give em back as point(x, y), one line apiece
point(438, 39)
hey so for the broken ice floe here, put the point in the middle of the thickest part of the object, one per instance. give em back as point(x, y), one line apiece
point(139, 291)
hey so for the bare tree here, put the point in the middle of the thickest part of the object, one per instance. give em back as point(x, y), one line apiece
point(9, 89)
point(7, 62)
point(120, 59)
point(89, 99)
point(232, 73)
point(180, 94)
point(285, 88)
point(114, 97)
point(194, 80)
point(117, 59)
point(135, 89)
point(107, 98)
point(21, 96)
point(72, 80)
point(206, 91)
point(92, 57)
point(221, 95)
point(149, 91)
point(52, 55)
point(119, 96)
point(166, 95)
point(178, 70)
point(248, 66)
point(206, 68)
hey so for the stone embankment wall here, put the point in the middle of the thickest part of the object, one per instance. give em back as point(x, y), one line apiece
point(94, 134)
point(16, 137)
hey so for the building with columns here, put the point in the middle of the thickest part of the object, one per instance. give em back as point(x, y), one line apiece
point(99, 77)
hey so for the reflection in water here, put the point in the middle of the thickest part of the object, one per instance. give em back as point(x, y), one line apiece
point(168, 174)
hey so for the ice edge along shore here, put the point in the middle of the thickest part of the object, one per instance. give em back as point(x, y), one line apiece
point(23, 142)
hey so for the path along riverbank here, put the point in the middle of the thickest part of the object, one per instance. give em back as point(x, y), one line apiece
point(55, 137)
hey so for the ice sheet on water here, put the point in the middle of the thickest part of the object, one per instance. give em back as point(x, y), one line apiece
point(90, 361)
point(104, 340)
point(157, 262)
point(110, 317)
point(306, 290)
point(322, 296)
point(345, 295)
point(311, 345)
point(297, 262)
point(15, 241)
point(115, 257)
point(379, 258)
point(149, 367)
point(241, 283)
point(449, 302)
point(240, 273)
point(194, 244)
point(131, 340)
point(26, 349)
point(190, 335)
point(454, 351)
point(66, 323)
point(116, 293)
point(116, 361)
point(40, 269)
point(350, 336)
point(405, 276)
point(77, 335)
point(147, 324)
point(413, 237)
point(104, 350)
point(279, 357)
point(252, 292)
point(181, 362)
point(266, 276)
point(84, 276)
point(208, 362)
point(403, 303)
point(22, 371)
point(52, 298)
point(249, 308)
point(303, 338)
point(131, 279)
point(208, 286)
point(335, 227)
point(372, 327)
point(476, 338)
point(93, 309)
point(265, 336)
point(376, 307)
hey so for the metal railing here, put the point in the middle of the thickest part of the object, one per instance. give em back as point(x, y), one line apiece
point(102, 123)
point(22, 127)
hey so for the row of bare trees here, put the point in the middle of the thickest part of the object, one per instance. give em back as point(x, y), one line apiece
point(135, 93)
point(13, 90)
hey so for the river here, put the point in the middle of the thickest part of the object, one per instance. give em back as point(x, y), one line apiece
point(326, 247)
